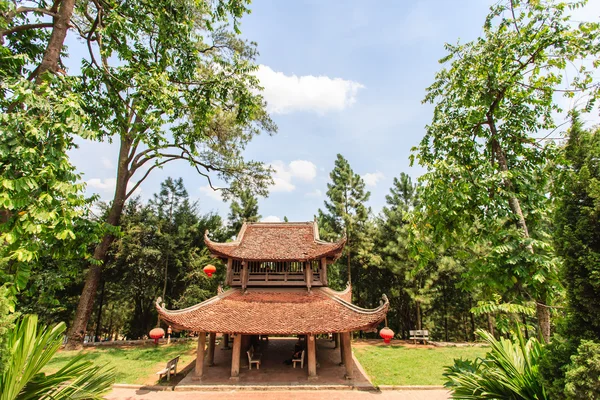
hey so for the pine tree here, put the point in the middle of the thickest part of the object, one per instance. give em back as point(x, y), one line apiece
point(175, 217)
point(578, 230)
point(243, 209)
point(346, 213)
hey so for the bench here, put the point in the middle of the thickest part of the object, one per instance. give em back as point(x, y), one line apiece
point(421, 335)
point(299, 360)
point(253, 358)
point(171, 365)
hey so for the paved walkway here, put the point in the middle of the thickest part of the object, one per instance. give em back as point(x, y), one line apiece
point(136, 394)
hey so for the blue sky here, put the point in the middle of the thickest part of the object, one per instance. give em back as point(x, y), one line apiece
point(340, 77)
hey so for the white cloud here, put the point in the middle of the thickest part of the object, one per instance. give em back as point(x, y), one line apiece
point(107, 163)
point(320, 94)
point(103, 184)
point(107, 186)
point(209, 192)
point(371, 179)
point(285, 173)
point(271, 218)
point(304, 170)
point(315, 193)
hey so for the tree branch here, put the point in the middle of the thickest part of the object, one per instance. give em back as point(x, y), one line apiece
point(24, 28)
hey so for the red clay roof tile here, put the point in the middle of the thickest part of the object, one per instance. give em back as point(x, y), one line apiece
point(285, 311)
point(295, 241)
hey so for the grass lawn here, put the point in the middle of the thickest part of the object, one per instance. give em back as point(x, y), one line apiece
point(132, 364)
point(407, 365)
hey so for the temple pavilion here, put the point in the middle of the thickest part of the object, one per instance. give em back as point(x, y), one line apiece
point(277, 274)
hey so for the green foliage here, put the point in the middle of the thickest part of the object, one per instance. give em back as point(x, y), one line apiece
point(7, 320)
point(583, 375)
point(508, 371)
point(485, 189)
point(41, 204)
point(576, 237)
point(578, 230)
point(31, 349)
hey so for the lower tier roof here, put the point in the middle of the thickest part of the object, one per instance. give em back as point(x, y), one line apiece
point(275, 311)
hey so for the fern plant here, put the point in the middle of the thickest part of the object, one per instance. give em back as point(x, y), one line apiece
point(509, 371)
point(31, 347)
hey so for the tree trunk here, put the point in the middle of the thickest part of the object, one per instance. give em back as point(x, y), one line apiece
point(543, 317)
point(418, 304)
point(349, 270)
point(99, 317)
point(472, 317)
point(543, 312)
point(490, 321)
point(86, 301)
point(61, 22)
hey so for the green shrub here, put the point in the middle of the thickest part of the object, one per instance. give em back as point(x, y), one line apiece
point(31, 347)
point(582, 379)
point(508, 371)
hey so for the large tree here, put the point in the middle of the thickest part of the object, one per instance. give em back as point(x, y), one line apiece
point(346, 213)
point(182, 89)
point(485, 180)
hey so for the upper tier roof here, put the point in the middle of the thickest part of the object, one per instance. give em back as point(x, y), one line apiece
point(277, 241)
point(281, 311)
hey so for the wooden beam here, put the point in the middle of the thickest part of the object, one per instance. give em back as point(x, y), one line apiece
point(312, 356)
point(199, 370)
point(235, 356)
point(348, 362)
point(211, 348)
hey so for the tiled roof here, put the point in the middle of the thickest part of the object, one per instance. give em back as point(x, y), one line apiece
point(279, 241)
point(289, 311)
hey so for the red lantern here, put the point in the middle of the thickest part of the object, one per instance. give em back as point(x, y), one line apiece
point(387, 334)
point(210, 269)
point(156, 334)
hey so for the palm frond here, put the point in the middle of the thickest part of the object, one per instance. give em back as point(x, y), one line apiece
point(31, 348)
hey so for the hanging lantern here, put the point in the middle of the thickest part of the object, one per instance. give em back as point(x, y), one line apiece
point(156, 334)
point(210, 270)
point(387, 334)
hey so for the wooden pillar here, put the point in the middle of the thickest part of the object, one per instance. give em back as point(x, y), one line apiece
point(244, 274)
point(229, 276)
point(226, 342)
point(348, 362)
point(324, 271)
point(199, 370)
point(235, 356)
point(336, 340)
point(308, 276)
point(211, 348)
point(341, 344)
point(312, 356)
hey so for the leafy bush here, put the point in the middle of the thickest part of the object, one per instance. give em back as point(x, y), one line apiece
point(582, 380)
point(508, 371)
point(7, 319)
point(31, 347)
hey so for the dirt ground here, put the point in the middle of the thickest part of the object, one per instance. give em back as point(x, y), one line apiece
point(137, 394)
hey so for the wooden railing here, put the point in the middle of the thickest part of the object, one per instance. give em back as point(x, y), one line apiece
point(274, 273)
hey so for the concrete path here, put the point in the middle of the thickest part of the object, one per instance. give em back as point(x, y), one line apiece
point(141, 394)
